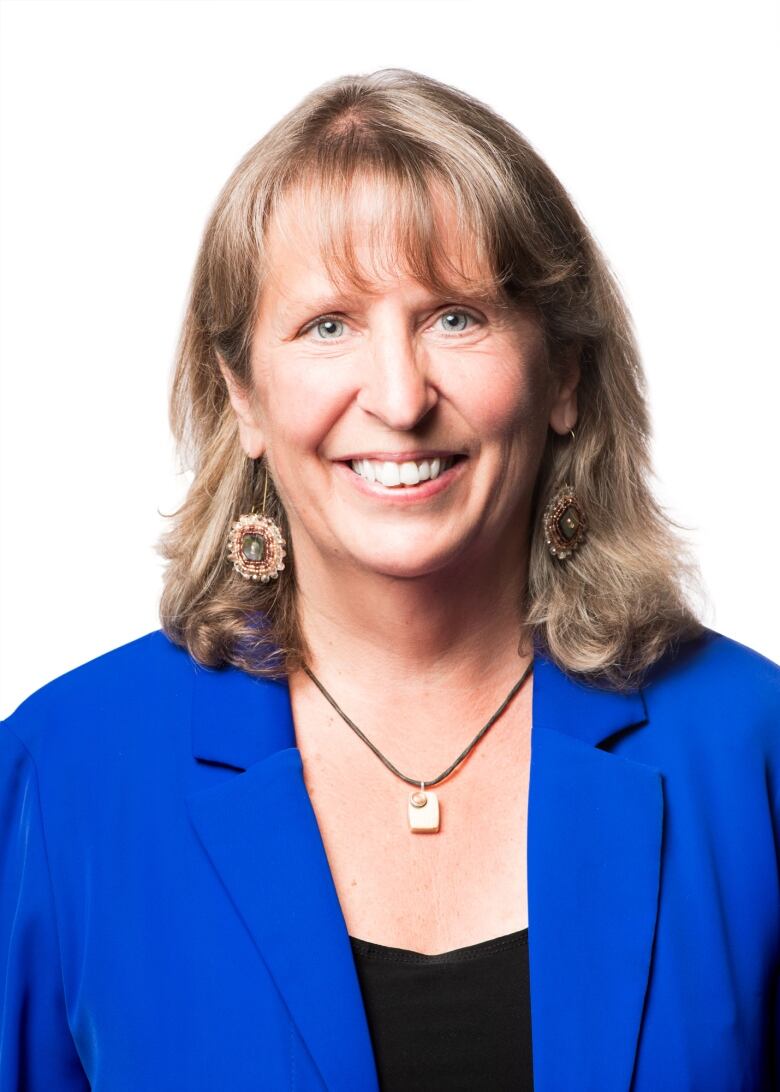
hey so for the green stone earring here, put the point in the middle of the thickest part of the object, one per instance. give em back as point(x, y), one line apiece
point(255, 544)
point(565, 523)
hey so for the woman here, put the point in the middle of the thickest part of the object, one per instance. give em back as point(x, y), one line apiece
point(431, 777)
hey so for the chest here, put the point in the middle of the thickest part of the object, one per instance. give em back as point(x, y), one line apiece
point(426, 892)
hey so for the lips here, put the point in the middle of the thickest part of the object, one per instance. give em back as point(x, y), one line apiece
point(401, 474)
point(402, 456)
point(401, 491)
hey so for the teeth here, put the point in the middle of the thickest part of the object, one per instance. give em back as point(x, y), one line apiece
point(409, 473)
point(397, 474)
point(388, 473)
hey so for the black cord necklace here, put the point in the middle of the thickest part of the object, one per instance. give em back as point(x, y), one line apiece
point(423, 805)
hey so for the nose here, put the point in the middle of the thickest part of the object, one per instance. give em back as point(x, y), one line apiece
point(396, 386)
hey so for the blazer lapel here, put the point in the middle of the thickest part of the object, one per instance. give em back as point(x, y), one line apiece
point(594, 852)
point(594, 846)
point(261, 834)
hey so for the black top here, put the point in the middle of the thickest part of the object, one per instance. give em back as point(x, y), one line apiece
point(459, 1020)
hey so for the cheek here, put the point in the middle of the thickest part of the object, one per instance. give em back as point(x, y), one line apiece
point(510, 403)
point(302, 408)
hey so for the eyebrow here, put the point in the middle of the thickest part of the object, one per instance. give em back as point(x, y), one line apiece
point(335, 301)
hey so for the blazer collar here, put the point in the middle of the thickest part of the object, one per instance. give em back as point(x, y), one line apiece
point(593, 859)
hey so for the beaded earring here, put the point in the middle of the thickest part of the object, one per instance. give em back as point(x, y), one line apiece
point(255, 543)
point(565, 523)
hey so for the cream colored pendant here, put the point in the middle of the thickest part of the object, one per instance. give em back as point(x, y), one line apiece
point(423, 811)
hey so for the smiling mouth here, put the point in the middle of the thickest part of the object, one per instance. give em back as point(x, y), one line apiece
point(405, 475)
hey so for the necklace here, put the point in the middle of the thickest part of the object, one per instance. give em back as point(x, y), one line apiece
point(423, 805)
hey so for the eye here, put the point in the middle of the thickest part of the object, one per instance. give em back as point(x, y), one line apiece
point(331, 328)
point(327, 328)
point(456, 320)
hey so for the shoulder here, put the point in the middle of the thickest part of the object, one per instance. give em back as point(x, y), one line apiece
point(714, 650)
point(717, 671)
point(713, 704)
point(120, 686)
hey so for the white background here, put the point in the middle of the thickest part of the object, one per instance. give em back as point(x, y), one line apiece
point(119, 123)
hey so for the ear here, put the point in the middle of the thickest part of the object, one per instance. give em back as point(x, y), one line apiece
point(563, 408)
point(249, 431)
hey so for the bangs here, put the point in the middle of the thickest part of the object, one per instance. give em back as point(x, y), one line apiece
point(373, 224)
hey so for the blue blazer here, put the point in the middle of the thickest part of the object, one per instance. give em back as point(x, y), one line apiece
point(168, 918)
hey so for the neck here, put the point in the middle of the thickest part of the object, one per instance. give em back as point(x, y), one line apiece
point(395, 651)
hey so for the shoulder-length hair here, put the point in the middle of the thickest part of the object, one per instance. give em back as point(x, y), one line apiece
point(609, 610)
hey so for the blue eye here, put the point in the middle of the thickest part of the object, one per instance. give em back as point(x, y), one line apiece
point(334, 327)
point(330, 328)
point(457, 315)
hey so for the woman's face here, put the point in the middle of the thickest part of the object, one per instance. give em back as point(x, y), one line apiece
point(407, 381)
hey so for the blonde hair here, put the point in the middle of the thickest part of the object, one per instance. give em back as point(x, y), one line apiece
point(608, 611)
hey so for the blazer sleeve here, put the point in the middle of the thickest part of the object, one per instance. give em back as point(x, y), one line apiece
point(37, 1052)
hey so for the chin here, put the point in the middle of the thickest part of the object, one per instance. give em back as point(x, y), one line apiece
point(405, 563)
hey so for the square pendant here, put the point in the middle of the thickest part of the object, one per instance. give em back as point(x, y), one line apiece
point(424, 812)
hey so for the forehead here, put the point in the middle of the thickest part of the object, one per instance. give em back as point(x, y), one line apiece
point(357, 238)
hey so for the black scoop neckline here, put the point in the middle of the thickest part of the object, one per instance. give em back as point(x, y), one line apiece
point(372, 950)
